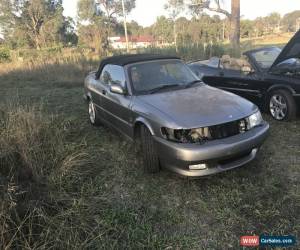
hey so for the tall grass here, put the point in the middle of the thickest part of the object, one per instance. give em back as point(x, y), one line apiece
point(64, 67)
point(37, 166)
point(51, 196)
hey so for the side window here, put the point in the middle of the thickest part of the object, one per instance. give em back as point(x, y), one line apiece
point(235, 64)
point(113, 74)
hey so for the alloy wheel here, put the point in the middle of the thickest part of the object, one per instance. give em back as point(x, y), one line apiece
point(278, 107)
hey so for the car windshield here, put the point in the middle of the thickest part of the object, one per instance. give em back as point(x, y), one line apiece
point(289, 66)
point(160, 75)
point(265, 58)
point(212, 62)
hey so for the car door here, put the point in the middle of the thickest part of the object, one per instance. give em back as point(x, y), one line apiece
point(116, 107)
point(96, 88)
point(243, 83)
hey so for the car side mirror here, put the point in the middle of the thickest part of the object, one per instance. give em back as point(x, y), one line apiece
point(117, 89)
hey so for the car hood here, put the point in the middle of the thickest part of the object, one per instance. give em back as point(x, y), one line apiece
point(291, 50)
point(200, 106)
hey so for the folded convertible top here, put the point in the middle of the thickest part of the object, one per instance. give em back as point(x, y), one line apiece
point(122, 60)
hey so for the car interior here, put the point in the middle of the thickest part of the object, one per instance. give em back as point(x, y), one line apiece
point(240, 64)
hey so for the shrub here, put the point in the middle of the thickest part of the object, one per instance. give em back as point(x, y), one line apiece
point(4, 55)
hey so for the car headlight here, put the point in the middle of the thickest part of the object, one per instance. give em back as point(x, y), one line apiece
point(198, 135)
point(255, 120)
point(177, 135)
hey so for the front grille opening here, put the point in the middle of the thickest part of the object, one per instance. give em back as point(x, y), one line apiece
point(221, 131)
point(204, 134)
point(228, 129)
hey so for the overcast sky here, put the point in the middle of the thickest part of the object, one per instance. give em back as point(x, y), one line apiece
point(146, 11)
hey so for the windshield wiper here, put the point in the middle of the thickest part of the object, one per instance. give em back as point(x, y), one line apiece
point(162, 87)
point(192, 83)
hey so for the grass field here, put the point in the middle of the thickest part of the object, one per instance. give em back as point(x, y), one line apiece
point(67, 185)
point(274, 39)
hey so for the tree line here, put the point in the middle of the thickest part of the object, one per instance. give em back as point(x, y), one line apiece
point(35, 23)
point(40, 23)
point(205, 28)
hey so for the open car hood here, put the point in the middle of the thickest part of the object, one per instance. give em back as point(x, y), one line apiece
point(291, 50)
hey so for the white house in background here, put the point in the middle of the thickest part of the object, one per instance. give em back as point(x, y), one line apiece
point(134, 42)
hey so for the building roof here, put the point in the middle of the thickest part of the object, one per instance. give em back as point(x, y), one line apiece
point(123, 60)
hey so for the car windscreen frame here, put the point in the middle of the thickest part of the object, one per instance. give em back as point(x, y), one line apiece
point(128, 73)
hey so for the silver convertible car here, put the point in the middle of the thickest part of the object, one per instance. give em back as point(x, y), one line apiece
point(182, 123)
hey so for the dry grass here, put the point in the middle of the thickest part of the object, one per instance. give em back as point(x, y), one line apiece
point(36, 161)
point(50, 68)
point(275, 39)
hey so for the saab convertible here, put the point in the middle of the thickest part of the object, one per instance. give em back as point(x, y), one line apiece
point(182, 123)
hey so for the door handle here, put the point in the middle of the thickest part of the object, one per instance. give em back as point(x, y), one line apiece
point(104, 92)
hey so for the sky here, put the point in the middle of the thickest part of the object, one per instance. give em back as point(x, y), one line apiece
point(146, 11)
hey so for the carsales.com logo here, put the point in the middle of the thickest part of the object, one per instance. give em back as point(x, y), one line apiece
point(268, 240)
point(249, 241)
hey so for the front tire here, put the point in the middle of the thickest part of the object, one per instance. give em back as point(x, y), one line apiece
point(282, 105)
point(149, 153)
point(93, 114)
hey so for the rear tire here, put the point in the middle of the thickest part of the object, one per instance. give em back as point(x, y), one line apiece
point(282, 105)
point(93, 114)
point(149, 153)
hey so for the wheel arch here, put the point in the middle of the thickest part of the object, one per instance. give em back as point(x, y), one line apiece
point(289, 93)
point(141, 122)
point(281, 87)
point(88, 96)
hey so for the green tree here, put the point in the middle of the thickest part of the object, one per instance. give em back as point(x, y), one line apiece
point(247, 28)
point(291, 21)
point(134, 29)
point(198, 6)
point(196, 30)
point(35, 23)
point(162, 29)
point(259, 26)
point(100, 16)
point(174, 7)
point(113, 8)
point(183, 36)
point(92, 26)
point(272, 22)
point(7, 17)
point(67, 32)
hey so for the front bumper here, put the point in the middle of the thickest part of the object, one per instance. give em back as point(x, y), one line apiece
point(219, 155)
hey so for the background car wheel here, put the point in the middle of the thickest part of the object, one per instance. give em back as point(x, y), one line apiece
point(93, 114)
point(149, 154)
point(282, 105)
